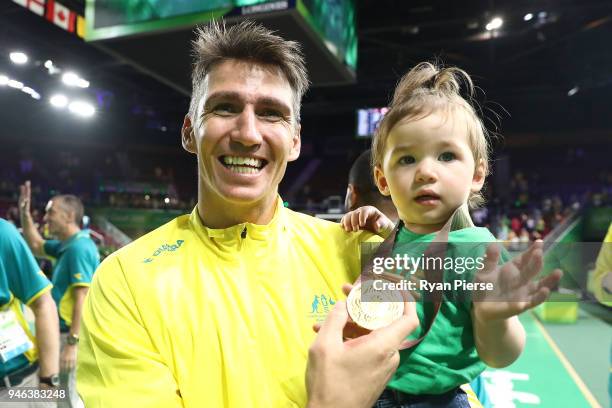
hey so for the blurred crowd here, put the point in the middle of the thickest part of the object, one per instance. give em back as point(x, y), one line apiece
point(523, 206)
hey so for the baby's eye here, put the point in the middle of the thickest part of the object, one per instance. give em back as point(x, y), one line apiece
point(447, 156)
point(406, 160)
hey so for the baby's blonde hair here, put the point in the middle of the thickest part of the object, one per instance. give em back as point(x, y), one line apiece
point(428, 88)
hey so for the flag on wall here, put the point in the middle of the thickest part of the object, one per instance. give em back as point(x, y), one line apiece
point(56, 13)
point(61, 15)
point(35, 6)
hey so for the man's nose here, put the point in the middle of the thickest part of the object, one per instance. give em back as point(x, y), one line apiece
point(247, 131)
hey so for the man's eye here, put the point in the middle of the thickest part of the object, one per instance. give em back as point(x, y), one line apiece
point(447, 156)
point(271, 114)
point(406, 160)
point(224, 109)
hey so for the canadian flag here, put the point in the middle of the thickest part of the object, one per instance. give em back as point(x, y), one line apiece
point(35, 6)
point(61, 15)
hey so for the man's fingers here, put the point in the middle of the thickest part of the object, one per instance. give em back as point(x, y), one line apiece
point(332, 327)
point(396, 332)
point(410, 296)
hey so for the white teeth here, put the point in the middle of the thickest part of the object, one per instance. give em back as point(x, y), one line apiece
point(243, 169)
point(249, 161)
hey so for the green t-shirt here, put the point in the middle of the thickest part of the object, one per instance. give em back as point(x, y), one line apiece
point(76, 260)
point(447, 357)
point(21, 282)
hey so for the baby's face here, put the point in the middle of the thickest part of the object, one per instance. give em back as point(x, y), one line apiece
point(428, 169)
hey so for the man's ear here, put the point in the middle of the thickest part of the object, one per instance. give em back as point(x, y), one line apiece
point(72, 218)
point(480, 174)
point(297, 143)
point(381, 181)
point(188, 136)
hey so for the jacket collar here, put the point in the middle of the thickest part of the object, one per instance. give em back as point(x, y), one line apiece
point(236, 232)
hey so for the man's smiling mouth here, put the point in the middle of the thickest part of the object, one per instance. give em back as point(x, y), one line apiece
point(243, 164)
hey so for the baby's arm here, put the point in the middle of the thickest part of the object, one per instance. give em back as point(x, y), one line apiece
point(499, 335)
point(367, 218)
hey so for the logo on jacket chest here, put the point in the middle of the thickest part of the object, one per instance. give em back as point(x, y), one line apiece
point(163, 249)
point(320, 306)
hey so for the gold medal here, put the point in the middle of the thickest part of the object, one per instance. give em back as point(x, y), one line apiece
point(379, 308)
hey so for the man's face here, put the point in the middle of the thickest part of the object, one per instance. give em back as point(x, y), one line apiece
point(244, 132)
point(428, 169)
point(56, 217)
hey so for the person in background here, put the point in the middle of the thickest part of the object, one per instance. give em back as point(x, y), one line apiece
point(602, 285)
point(27, 360)
point(76, 259)
point(602, 277)
point(362, 191)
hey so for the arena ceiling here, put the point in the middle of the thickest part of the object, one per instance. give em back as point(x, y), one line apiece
point(552, 72)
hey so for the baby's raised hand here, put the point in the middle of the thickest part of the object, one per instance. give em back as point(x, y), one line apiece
point(516, 288)
point(367, 218)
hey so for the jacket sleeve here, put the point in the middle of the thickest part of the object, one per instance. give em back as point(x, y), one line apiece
point(118, 365)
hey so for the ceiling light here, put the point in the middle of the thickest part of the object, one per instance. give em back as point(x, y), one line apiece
point(82, 83)
point(51, 68)
point(573, 91)
point(70, 79)
point(3, 80)
point(528, 17)
point(18, 57)
point(15, 84)
point(495, 24)
point(59, 101)
point(82, 108)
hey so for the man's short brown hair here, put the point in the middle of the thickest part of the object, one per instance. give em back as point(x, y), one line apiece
point(246, 41)
point(73, 204)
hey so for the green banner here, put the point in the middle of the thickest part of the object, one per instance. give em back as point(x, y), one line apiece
point(135, 222)
point(336, 24)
